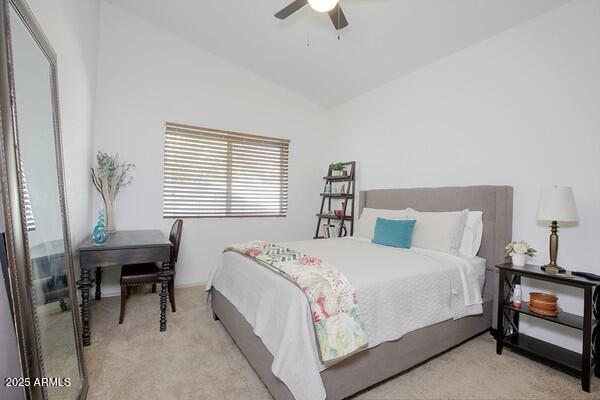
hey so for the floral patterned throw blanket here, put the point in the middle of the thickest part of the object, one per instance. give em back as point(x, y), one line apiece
point(339, 329)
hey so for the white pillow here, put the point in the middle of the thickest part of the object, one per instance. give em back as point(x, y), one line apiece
point(440, 231)
point(365, 226)
point(471, 238)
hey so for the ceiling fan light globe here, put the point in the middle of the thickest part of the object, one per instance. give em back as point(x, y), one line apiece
point(322, 5)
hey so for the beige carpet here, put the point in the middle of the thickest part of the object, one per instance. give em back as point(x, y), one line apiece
point(196, 359)
point(58, 349)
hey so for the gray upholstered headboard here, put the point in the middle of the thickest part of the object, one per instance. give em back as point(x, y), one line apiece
point(496, 202)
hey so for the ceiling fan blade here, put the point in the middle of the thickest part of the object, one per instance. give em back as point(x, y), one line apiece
point(338, 18)
point(290, 9)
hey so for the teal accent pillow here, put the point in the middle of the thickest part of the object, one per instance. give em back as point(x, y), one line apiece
point(394, 233)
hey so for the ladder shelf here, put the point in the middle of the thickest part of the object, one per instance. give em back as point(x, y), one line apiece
point(328, 195)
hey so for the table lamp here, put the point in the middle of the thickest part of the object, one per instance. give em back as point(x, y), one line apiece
point(557, 204)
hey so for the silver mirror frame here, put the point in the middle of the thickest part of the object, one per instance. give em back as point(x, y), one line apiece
point(19, 258)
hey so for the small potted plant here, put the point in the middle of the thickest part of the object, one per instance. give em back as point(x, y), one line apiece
point(337, 169)
point(519, 251)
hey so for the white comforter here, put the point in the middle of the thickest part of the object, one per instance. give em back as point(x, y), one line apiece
point(398, 291)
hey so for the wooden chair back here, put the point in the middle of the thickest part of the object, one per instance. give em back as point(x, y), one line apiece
point(175, 238)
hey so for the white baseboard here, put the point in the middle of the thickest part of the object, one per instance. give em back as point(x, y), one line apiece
point(188, 285)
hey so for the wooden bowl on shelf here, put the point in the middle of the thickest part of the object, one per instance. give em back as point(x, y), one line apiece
point(543, 302)
point(545, 313)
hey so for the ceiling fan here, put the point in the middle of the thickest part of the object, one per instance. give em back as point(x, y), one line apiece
point(332, 7)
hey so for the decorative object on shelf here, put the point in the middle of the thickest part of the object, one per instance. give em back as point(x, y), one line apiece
point(557, 204)
point(99, 234)
point(545, 313)
point(109, 177)
point(519, 251)
point(326, 233)
point(517, 296)
point(332, 228)
point(544, 304)
point(338, 169)
point(344, 231)
point(338, 213)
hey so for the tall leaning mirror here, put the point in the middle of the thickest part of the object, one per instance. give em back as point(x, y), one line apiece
point(40, 265)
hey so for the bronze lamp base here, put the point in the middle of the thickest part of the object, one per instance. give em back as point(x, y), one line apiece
point(552, 267)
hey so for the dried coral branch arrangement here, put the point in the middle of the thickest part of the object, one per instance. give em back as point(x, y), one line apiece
point(109, 177)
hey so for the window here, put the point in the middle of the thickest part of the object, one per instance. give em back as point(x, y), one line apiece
point(213, 173)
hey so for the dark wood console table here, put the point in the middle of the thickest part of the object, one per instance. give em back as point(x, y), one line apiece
point(507, 331)
point(122, 247)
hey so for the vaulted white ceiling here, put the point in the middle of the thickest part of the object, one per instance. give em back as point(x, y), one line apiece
point(385, 39)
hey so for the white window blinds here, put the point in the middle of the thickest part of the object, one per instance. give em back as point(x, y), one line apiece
point(28, 210)
point(29, 219)
point(213, 173)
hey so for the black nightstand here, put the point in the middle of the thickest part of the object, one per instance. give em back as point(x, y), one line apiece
point(507, 329)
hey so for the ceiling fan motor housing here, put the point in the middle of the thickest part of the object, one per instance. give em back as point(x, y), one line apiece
point(323, 5)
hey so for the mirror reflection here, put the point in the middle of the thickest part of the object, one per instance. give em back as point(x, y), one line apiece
point(39, 175)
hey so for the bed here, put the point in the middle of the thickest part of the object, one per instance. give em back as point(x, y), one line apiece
point(267, 318)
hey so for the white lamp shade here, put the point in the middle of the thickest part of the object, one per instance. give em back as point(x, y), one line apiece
point(557, 203)
point(323, 5)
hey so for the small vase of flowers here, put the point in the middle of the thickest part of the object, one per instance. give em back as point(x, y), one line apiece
point(519, 251)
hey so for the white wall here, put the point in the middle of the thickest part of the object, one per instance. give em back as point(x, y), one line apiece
point(72, 28)
point(522, 108)
point(147, 76)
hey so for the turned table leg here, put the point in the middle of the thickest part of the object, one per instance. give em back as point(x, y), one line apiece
point(63, 305)
point(98, 283)
point(164, 278)
point(84, 284)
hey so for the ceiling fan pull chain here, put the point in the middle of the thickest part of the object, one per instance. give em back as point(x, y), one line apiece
point(307, 34)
